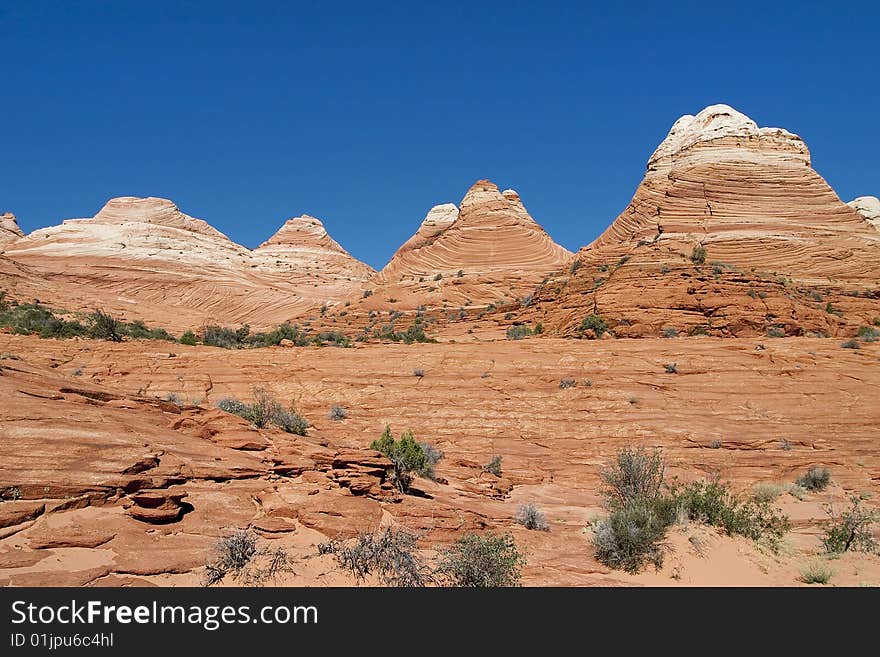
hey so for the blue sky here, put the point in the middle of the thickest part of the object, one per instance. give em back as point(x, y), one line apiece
point(367, 114)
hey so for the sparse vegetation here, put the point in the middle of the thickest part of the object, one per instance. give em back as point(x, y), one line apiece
point(265, 410)
point(438, 277)
point(337, 413)
point(669, 332)
point(592, 323)
point(851, 344)
point(713, 503)
point(491, 560)
point(815, 479)
point(567, 383)
point(698, 255)
point(816, 571)
point(574, 266)
point(671, 368)
point(493, 466)
point(389, 554)
point(518, 332)
point(188, 338)
point(407, 456)
point(766, 492)
point(530, 517)
point(433, 456)
point(239, 555)
point(419, 372)
point(851, 530)
point(868, 333)
point(415, 333)
point(642, 506)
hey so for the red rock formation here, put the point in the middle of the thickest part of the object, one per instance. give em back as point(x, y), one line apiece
point(869, 208)
point(492, 234)
point(778, 244)
point(308, 258)
point(144, 258)
point(9, 230)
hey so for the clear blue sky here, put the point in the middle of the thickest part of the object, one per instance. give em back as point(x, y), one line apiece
point(367, 114)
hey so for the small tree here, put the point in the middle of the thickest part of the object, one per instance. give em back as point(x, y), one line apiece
point(407, 456)
point(851, 530)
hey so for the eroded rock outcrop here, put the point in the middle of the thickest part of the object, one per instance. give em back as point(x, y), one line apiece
point(869, 208)
point(144, 258)
point(9, 230)
point(730, 232)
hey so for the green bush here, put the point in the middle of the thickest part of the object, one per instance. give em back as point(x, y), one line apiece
point(188, 338)
point(493, 466)
point(593, 322)
point(265, 410)
point(635, 475)
point(868, 333)
point(851, 530)
point(816, 479)
point(105, 327)
point(491, 560)
point(713, 503)
point(631, 537)
point(698, 255)
point(406, 454)
point(518, 332)
point(225, 338)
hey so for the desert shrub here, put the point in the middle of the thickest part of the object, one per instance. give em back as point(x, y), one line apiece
point(518, 332)
point(698, 255)
point(526, 301)
point(831, 310)
point(851, 530)
point(438, 277)
point(669, 332)
point(405, 454)
point(337, 413)
point(671, 368)
point(233, 554)
point(593, 322)
point(493, 466)
point(632, 536)
point(415, 333)
point(539, 328)
point(868, 333)
point(816, 571)
point(238, 554)
point(274, 337)
point(713, 503)
point(715, 444)
point(460, 273)
point(775, 332)
point(265, 410)
point(188, 338)
point(419, 372)
point(567, 383)
point(851, 344)
point(367, 293)
point(766, 492)
point(815, 479)
point(530, 517)
point(635, 475)
point(219, 336)
point(389, 554)
point(491, 560)
point(433, 457)
point(105, 327)
point(574, 266)
point(140, 331)
point(32, 318)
